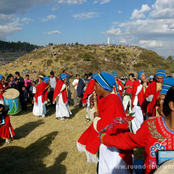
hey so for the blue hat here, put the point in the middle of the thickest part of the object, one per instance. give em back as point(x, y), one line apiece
point(46, 79)
point(1, 76)
point(151, 77)
point(63, 76)
point(94, 75)
point(114, 74)
point(106, 81)
point(168, 83)
point(161, 72)
point(139, 74)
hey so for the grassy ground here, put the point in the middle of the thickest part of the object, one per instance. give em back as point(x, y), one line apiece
point(47, 145)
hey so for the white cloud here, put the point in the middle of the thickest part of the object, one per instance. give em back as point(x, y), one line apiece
point(105, 1)
point(119, 11)
point(163, 9)
point(123, 41)
point(9, 24)
point(151, 43)
point(115, 23)
point(26, 20)
point(49, 17)
point(88, 15)
point(140, 13)
point(55, 8)
point(53, 32)
point(20, 6)
point(95, 2)
point(113, 31)
point(71, 1)
point(148, 33)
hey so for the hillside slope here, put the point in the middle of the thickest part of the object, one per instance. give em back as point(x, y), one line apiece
point(92, 58)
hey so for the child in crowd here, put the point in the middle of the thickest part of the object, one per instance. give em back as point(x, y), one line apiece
point(6, 130)
point(33, 90)
point(24, 98)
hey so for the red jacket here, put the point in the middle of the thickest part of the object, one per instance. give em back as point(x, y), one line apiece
point(41, 91)
point(141, 96)
point(153, 135)
point(89, 90)
point(57, 90)
point(152, 90)
point(109, 108)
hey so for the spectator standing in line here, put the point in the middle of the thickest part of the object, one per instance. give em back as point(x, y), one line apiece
point(24, 98)
point(53, 81)
point(20, 82)
point(151, 78)
point(28, 83)
point(80, 91)
point(12, 83)
point(75, 84)
point(128, 92)
point(69, 75)
point(33, 91)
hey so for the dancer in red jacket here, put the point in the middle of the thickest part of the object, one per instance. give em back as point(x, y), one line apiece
point(155, 134)
point(109, 107)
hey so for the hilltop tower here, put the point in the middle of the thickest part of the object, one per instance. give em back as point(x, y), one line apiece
point(108, 41)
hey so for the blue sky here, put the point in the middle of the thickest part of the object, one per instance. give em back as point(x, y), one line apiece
point(149, 24)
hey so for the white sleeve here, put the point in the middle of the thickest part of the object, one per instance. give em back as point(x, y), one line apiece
point(73, 83)
point(149, 99)
point(120, 88)
point(63, 87)
point(96, 119)
point(139, 88)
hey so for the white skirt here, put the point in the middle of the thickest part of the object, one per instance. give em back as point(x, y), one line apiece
point(39, 108)
point(2, 101)
point(110, 161)
point(138, 120)
point(62, 109)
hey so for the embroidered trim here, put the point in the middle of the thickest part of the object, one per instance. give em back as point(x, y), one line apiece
point(155, 134)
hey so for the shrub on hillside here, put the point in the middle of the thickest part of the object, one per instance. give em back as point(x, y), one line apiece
point(67, 58)
point(49, 62)
point(140, 67)
point(87, 57)
point(95, 64)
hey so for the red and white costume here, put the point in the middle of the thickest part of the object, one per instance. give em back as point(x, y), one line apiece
point(120, 87)
point(40, 98)
point(153, 91)
point(139, 105)
point(6, 129)
point(62, 107)
point(89, 142)
point(127, 96)
point(153, 135)
point(1, 94)
point(86, 99)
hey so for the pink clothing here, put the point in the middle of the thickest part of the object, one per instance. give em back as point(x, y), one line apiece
point(130, 83)
point(28, 83)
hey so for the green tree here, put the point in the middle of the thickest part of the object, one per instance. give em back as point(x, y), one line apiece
point(170, 59)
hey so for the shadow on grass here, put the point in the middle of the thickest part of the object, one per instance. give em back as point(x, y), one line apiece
point(50, 110)
point(24, 130)
point(29, 160)
point(75, 111)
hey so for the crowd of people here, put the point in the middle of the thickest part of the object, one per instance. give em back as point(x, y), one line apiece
point(111, 102)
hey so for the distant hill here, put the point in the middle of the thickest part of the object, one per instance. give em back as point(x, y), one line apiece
point(16, 46)
point(82, 59)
